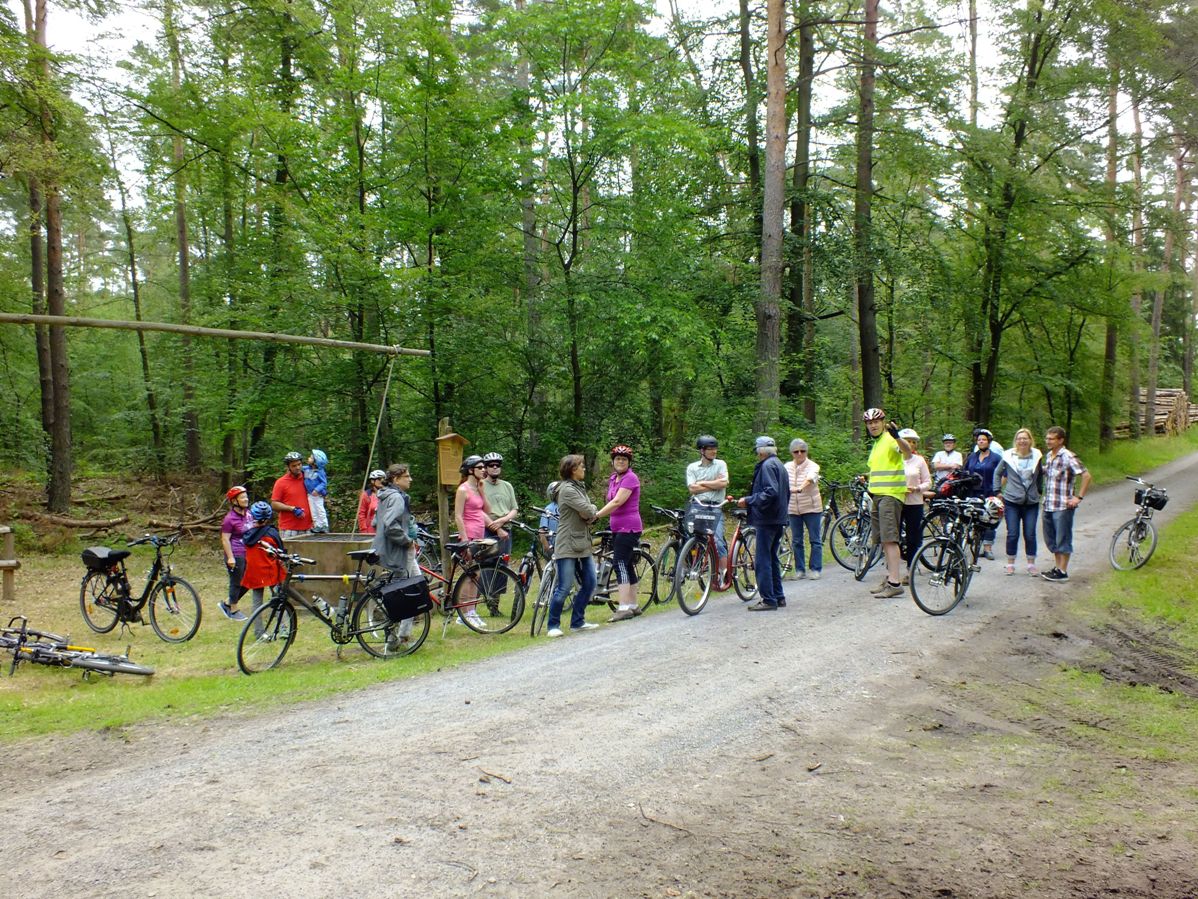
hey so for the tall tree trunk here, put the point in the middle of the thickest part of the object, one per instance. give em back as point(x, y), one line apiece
point(800, 316)
point(752, 103)
point(191, 418)
point(1158, 296)
point(769, 302)
point(973, 63)
point(867, 324)
point(1106, 394)
point(1137, 256)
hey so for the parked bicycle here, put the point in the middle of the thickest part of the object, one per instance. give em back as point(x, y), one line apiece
point(843, 532)
point(362, 615)
point(943, 567)
point(699, 571)
point(1133, 544)
point(44, 648)
point(667, 558)
point(535, 558)
point(106, 597)
point(428, 546)
point(482, 591)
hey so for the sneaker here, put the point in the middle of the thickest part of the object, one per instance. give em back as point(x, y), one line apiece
point(891, 591)
point(882, 586)
point(800, 575)
point(622, 615)
point(813, 575)
point(1032, 570)
point(782, 604)
point(988, 555)
point(763, 606)
point(1010, 569)
point(553, 632)
point(224, 609)
point(1055, 575)
point(906, 579)
point(586, 626)
point(236, 614)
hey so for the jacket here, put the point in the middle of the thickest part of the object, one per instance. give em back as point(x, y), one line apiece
point(769, 498)
point(575, 512)
point(806, 500)
point(393, 549)
point(262, 570)
point(1018, 489)
point(368, 504)
point(315, 479)
point(985, 468)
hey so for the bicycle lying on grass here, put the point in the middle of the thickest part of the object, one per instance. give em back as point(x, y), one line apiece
point(44, 648)
point(1133, 544)
point(106, 597)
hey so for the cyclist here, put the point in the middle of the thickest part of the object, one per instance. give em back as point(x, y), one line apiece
point(368, 503)
point(236, 522)
point(624, 507)
point(707, 481)
point(548, 521)
point(572, 551)
point(767, 502)
point(395, 538)
point(888, 487)
point(472, 513)
point(806, 510)
point(262, 570)
point(983, 462)
point(501, 497)
point(316, 483)
point(919, 482)
point(947, 460)
point(290, 499)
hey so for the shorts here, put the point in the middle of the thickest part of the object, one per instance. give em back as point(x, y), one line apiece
point(1058, 531)
point(623, 546)
point(886, 519)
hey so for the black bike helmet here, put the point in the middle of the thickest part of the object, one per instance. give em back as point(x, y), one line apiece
point(706, 442)
point(469, 462)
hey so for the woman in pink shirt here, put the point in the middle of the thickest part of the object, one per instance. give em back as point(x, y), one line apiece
point(919, 482)
point(624, 507)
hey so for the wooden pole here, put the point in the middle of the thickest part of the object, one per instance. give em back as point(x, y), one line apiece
point(9, 566)
point(443, 511)
point(71, 321)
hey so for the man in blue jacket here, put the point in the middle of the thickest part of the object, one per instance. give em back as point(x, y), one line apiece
point(767, 503)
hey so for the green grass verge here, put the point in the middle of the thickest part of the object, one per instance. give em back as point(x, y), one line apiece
point(1134, 457)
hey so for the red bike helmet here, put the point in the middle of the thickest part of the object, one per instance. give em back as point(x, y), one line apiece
point(233, 492)
point(621, 450)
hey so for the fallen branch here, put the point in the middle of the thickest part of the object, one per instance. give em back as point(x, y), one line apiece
point(506, 780)
point(63, 521)
point(96, 500)
point(660, 821)
point(200, 524)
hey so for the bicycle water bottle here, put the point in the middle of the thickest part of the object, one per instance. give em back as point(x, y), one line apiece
point(342, 608)
point(324, 607)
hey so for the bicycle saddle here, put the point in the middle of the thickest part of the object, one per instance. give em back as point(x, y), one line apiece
point(742, 514)
point(359, 555)
point(601, 535)
point(101, 557)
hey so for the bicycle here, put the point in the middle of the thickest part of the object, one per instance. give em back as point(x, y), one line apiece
point(106, 597)
point(667, 558)
point(535, 558)
point(270, 630)
point(428, 546)
point(699, 570)
point(483, 591)
point(943, 567)
point(44, 648)
point(843, 535)
point(1134, 542)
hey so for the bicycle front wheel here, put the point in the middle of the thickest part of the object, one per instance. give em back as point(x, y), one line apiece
point(693, 575)
point(843, 540)
point(489, 599)
point(785, 555)
point(175, 611)
point(540, 606)
point(109, 665)
point(744, 566)
point(99, 602)
point(667, 563)
point(939, 577)
point(383, 638)
point(1133, 544)
point(266, 637)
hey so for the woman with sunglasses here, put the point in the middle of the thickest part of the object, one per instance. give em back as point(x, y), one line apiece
point(806, 509)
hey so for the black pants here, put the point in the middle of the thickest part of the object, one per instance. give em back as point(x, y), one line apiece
point(913, 528)
point(236, 591)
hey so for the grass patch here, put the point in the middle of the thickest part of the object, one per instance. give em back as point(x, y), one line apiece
point(1134, 457)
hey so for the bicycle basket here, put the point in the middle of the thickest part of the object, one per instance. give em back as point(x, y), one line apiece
point(101, 558)
point(1156, 498)
point(405, 597)
point(701, 521)
point(958, 483)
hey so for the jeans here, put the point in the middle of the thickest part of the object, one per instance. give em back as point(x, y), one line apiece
point(765, 564)
point(1023, 514)
point(1058, 531)
point(810, 521)
point(567, 570)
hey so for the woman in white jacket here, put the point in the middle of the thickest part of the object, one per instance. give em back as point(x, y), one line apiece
point(805, 511)
point(1019, 477)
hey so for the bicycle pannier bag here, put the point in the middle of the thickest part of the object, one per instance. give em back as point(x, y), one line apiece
point(405, 597)
point(101, 558)
point(1156, 498)
point(958, 483)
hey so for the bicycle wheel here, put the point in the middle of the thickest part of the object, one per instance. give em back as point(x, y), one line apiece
point(843, 541)
point(667, 562)
point(867, 560)
point(263, 651)
point(384, 638)
point(540, 606)
point(99, 602)
point(785, 554)
point(935, 524)
point(646, 581)
point(175, 611)
point(489, 599)
point(940, 579)
point(108, 665)
point(1133, 544)
point(693, 576)
point(744, 567)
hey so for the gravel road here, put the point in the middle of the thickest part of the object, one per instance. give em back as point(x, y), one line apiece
point(568, 768)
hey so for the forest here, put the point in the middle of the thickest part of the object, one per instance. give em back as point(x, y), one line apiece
point(604, 220)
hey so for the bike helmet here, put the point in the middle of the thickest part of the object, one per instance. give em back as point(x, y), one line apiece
point(908, 434)
point(377, 473)
point(947, 437)
point(233, 492)
point(621, 450)
point(468, 463)
point(293, 456)
point(874, 414)
point(492, 457)
point(982, 432)
point(994, 508)
point(261, 511)
point(706, 442)
point(551, 491)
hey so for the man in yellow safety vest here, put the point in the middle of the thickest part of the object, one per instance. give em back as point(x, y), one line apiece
point(888, 487)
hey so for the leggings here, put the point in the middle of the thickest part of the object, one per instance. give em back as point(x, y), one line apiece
point(623, 546)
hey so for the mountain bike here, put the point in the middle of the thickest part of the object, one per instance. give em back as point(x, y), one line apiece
point(1133, 544)
point(44, 648)
point(362, 615)
point(106, 597)
point(482, 591)
point(699, 571)
point(943, 567)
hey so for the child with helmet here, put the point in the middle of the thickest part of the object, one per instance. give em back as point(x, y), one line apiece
point(262, 570)
point(316, 483)
point(232, 529)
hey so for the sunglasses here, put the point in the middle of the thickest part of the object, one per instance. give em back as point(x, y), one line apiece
point(796, 452)
point(494, 465)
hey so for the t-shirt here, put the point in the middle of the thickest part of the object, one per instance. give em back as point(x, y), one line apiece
point(292, 492)
point(701, 470)
point(501, 497)
point(886, 474)
point(235, 524)
point(627, 518)
point(954, 459)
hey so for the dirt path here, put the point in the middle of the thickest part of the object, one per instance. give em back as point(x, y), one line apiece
point(834, 748)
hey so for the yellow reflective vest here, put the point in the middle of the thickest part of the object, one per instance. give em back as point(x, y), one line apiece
point(886, 475)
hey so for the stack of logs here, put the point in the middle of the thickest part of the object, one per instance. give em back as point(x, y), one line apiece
point(1172, 412)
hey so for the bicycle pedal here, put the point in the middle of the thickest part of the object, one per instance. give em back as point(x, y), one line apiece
point(975, 567)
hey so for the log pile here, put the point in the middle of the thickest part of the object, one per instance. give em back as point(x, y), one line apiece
point(1172, 412)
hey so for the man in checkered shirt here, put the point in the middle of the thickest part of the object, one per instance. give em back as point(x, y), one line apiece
point(1066, 481)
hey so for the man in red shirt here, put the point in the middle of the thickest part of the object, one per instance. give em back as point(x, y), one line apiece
point(290, 499)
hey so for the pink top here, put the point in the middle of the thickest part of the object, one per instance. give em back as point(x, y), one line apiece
point(918, 479)
point(472, 515)
point(804, 488)
point(627, 518)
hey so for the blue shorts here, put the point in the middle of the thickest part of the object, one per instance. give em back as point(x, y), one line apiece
point(1058, 531)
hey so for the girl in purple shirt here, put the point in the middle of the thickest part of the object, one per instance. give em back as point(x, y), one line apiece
point(624, 507)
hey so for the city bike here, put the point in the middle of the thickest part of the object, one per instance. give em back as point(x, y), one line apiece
point(699, 570)
point(44, 648)
point(481, 590)
point(1133, 544)
point(943, 567)
point(667, 558)
point(106, 596)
